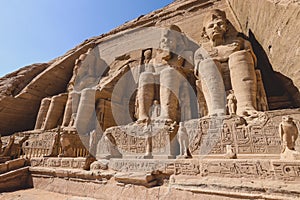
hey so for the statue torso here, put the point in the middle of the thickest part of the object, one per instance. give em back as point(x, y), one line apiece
point(223, 51)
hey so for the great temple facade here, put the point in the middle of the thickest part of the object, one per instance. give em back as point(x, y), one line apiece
point(198, 98)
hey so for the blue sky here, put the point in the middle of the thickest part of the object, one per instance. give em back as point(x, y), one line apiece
point(33, 31)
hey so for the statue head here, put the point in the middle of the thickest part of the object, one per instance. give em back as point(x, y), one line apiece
point(287, 118)
point(215, 26)
point(171, 38)
point(155, 102)
point(89, 50)
point(147, 54)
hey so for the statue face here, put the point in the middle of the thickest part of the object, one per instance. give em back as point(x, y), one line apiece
point(147, 54)
point(168, 42)
point(287, 118)
point(155, 102)
point(216, 28)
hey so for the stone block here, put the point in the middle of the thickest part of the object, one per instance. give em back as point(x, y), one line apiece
point(15, 164)
point(3, 168)
point(147, 180)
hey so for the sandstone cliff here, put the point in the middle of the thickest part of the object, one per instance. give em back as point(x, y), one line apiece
point(272, 24)
point(273, 28)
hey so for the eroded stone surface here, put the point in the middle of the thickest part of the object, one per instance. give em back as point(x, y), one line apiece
point(187, 86)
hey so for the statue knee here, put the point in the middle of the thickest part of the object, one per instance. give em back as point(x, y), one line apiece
point(241, 56)
point(88, 91)
point(170, 78)
point(168, 71)
point(208, 64)
point(146, 78)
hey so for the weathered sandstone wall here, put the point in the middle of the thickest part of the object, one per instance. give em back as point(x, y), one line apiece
point(275, 24)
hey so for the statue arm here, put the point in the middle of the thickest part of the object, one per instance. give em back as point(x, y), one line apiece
point(280, 131)
point(196, 71)
point(296, 133)
point(248, 46)
point(198, 57)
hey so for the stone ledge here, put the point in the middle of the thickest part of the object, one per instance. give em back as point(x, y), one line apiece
point(178, 186)
point(62, 162)
point(16, 179)
point(144, 179)
point(236, 187)
point(231, 168)
point(271, 169)
point(12, 165)
point(47, 172)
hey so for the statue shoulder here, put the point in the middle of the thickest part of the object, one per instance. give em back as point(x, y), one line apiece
point(201, 53)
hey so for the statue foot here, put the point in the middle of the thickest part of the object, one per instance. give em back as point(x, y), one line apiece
point(148, 156)
point(145, 120)
point(232, 114)
point(62, 155)
point(217, 114)
point(183, 156)
point(231, 156)
point(167, 119)
point(290, 154)
point(249, 112)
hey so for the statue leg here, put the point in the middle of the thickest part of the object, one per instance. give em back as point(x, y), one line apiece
point(86, 111)
point(169, 93)
point(71, 107)
point(212, 87)
point(42, 113)
point(145, 95)
point(148, 153)
point(55, 111)
point(243, 80)
point(181, 147)
point(75, 105)
point(202, 107)
point(186, 146)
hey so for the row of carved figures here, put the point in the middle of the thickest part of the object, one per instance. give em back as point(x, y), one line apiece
point(287, 130)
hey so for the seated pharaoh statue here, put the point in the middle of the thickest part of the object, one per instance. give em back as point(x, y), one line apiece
point(225, 63)
point(62, 109)
point(162, 79)
point(85, 75)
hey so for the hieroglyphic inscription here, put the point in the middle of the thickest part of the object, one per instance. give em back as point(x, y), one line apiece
point(133, 165)
point(194, 131)
point(128, 143)
point(287, 170)
point(237, 169)
point(208, 136)
point(76, 163)
point(131, 139)
point(211, 135)
point(207, 139)
point(160, 141)
point(183, 167)
point(40, 144)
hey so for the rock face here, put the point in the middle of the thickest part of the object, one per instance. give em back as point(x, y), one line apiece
point(21, 103)
point(278, 40)
point(13, 108)
point(146, 102)
point(272, 27)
